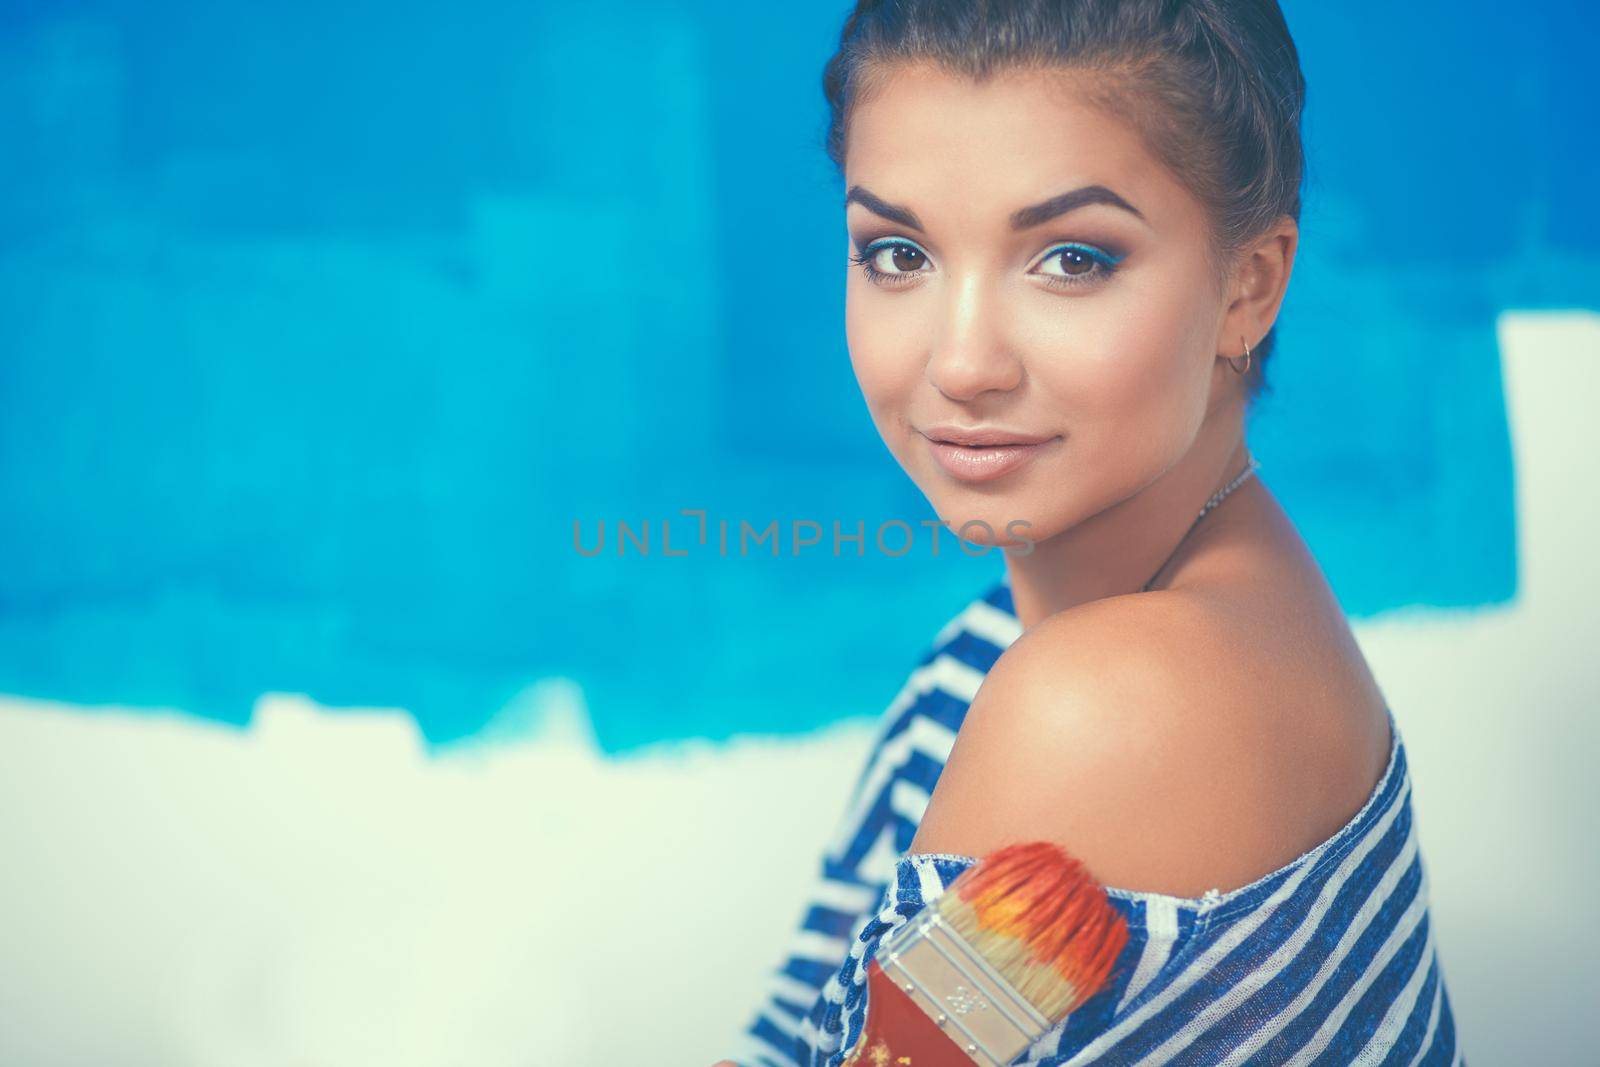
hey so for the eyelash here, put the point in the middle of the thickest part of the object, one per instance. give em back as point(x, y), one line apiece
point(1106, 261)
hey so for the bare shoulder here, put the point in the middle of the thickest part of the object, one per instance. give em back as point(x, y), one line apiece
point(1147, 735)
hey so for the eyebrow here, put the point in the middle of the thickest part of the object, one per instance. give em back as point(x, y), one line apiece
point(1021, 219)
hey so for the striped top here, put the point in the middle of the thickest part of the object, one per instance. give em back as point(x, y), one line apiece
point(1327, 960)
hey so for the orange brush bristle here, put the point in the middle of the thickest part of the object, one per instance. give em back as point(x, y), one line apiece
point(1041, 919)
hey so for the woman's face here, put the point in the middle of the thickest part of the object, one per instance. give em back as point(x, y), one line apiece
point(1022, 264)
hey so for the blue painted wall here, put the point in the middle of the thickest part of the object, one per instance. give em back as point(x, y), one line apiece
point(320, 326)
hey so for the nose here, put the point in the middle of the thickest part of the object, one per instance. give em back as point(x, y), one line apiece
point(971, 357)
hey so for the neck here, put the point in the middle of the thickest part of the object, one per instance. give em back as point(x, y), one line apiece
point(1117, 550)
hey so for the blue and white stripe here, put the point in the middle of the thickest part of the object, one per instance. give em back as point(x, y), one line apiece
point(1328, 960)
point(881, 816)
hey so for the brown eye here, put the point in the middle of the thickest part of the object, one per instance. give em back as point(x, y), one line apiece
point(906, 258)
point(1074, 261)
point(1078, 266)
point(892, 263)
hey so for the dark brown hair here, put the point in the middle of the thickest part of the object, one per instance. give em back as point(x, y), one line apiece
point(1213, 86)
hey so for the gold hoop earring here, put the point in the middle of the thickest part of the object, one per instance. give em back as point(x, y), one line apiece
point(1236, 368)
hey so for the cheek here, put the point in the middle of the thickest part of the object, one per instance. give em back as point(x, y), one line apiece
point(1132, 362)
point(883, 357)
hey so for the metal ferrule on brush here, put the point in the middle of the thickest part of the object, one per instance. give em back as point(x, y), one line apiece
point(958, 989)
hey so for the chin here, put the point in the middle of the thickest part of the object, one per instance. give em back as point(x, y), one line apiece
point(991, 520)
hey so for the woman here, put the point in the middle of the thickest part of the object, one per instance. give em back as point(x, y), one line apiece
point(1072, 224)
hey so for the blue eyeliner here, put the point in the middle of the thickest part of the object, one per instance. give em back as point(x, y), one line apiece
point(1098, 253)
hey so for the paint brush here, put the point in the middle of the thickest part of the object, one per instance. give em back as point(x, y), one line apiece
point(1013, 945)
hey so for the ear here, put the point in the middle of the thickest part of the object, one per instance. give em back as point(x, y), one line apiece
point(1259, 282)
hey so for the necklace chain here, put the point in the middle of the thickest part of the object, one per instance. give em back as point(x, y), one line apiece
point(1216, 498)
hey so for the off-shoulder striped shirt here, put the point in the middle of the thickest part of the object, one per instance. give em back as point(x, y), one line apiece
point(1330, 959)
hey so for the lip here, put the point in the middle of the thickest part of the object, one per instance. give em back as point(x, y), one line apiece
point(985, 462)
point(982, 436)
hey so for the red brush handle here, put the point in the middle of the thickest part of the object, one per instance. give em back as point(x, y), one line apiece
point(899, 1033)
